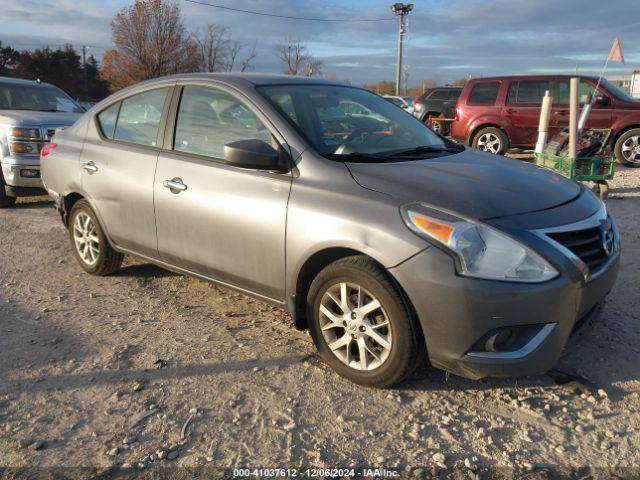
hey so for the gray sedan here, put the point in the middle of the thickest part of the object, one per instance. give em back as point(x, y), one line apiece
point(389, 243)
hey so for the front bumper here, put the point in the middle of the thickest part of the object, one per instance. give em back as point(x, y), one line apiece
point(456, 312)
point(22, 175)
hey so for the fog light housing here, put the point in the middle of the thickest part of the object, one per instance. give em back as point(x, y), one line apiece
point(499, 341)
point(511, 342)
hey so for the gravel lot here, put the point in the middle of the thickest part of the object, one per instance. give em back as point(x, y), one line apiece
point(154, 371)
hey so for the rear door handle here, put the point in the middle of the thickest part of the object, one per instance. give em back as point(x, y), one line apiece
point(561, 112)
point(90, 167)
point(510, 110)
point(175, 185)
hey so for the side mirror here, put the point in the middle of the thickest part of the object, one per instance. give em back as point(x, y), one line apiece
point(253, 153)
point(602, 100)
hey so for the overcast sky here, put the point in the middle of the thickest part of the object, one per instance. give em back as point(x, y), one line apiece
point(447, 38)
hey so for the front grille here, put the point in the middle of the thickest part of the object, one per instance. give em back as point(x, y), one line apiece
point(586, 244)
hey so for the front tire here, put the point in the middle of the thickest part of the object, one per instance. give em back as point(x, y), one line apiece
point(627, 148)
point(491, 140)
point(361, 325)
point(90, 246)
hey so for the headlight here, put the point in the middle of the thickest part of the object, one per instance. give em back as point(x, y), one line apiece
point(24, 133)
point(25, 148)
point(483, 251)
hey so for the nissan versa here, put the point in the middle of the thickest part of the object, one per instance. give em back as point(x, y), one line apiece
point(387, 241)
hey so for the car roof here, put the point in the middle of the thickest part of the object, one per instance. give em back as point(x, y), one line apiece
point(532, 77)
point(21, 81)
point(446, 87)
point(257, 79)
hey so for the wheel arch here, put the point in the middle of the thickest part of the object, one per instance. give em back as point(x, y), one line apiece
point(68, 202)
point(622, 131)
point(476, 129)
point(314, 265)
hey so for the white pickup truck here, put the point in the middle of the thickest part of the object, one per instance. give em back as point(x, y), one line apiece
point(30, 113)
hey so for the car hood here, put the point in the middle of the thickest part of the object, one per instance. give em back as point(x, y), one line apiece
point(35, 118)
point(472, 183)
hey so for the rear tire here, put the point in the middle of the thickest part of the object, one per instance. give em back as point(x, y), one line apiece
point(5, 200)
point(356, 308)
point(491, 140)
point(437, 126)
point(627, 148)
point(90, 245)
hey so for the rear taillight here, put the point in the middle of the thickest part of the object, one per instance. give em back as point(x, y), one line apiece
point(457, 114)
point(47, 149)
point(417, 102)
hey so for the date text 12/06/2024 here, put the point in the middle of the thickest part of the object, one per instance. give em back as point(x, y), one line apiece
point(315, 473)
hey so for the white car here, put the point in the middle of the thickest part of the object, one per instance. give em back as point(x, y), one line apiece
point(405, 103)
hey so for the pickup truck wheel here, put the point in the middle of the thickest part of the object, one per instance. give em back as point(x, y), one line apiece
point(90, 246)
point(492, 140)
point(627, 148)
point(5, 200)
point(361, 325)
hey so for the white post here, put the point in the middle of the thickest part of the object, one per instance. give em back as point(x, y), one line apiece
point(543, 126)
point(573, 116)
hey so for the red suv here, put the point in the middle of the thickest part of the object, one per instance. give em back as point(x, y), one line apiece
point(495, 114)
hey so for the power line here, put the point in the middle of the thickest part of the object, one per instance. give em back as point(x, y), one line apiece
point(264, 14)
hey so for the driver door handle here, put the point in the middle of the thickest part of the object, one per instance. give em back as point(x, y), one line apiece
point(175, 185)
point(90, 167)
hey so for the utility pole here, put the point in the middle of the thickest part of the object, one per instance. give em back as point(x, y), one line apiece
point(84, 68)
point(401, 10)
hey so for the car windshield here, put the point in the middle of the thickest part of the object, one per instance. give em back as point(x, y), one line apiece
point(42, 98)
point(352, 124)
point(617, 91)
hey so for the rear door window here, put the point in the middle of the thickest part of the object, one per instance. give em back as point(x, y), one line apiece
point(139, 117)
point(454, 94)
point(484, 93)
point(528, 92)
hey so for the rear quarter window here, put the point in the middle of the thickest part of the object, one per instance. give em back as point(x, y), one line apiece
point(484, 93)
point(439, 95)
point(107, 120)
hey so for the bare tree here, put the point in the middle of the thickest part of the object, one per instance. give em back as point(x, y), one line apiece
point(314, 67)
point(461, 81)
point(150, 41)
point(217, 52)
point(297, 60)
point(246, 63)
point(293, 54)
point(213, 44)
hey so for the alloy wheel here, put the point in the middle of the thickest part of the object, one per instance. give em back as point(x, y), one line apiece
point(355, 326)
point(489, 142)
point(86, 238)
point(631, 149)
point(436, 126)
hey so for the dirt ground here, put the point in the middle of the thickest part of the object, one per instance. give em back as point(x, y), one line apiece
point(153, 371)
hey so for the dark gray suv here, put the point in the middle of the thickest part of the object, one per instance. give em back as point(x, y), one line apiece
point(383, 239)
point(438, 103)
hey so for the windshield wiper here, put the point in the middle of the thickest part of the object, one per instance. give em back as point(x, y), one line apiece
point(357, 157)
point(425, 149)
